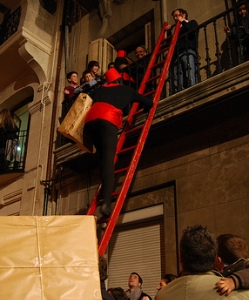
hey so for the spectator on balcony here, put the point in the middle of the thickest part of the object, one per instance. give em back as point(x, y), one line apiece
point(89, 84)
point(140, 52)
point(239, 31)
point(94, 67)
point(141, 64)
point(8, 139)
point(185, 56)
point(121, 64)
point(110, 65)
point(102, 123)
point(69, 96)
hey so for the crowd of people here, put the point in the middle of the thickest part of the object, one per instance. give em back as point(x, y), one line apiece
point(184, 63)
point(210, 268)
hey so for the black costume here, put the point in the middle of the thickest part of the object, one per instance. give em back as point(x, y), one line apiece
point(102, 123)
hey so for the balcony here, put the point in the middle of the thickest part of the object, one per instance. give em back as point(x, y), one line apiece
point(12, 157)
point(221, 75)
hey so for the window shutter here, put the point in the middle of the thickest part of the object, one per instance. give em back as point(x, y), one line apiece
point(137, 248)
point(103, 52)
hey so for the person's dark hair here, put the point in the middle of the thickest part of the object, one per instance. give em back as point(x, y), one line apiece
point(109, 65)
point(241, 2)
point(86, 72)
point(102, 268)
point(143, 47)
point(169, 277)
point(69, 74)
point(7, 119)
point(91, 64)
point(118, 293)
point(140, 280)
point(120, 61)
point(198, 249)
point(231, 247)
point(182, 11)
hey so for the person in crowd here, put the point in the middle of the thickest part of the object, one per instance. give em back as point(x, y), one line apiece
point(239, 30)
point(140, 52)
point(185, 55)
point(167, 278)
point(69, 95)
point(233, 263)
point(198, 255)
point(72, 78)
point(140, 66)
point(8, 139)
point(135, 291)
point(110, 65)
point(103, 276)
point(89, 84)
point(102, 123)
point(121, 63)
point(94, 68)
point(118, 293)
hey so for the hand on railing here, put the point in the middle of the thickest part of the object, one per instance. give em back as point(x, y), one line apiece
point(227, 29)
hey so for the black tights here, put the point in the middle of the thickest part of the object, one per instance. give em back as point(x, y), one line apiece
point(104, 136)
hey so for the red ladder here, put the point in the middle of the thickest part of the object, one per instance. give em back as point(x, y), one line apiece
point(160, 60)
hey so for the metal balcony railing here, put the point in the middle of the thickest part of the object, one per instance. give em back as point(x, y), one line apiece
point(10, 25)
point(13, 153)
point(216, 52)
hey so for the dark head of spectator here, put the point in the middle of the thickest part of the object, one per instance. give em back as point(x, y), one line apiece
point(231, 248)
point(166, 278)
point(110, 65)
point(198, 248)
point(118, 293)
point(103, 276)
point(140, 51)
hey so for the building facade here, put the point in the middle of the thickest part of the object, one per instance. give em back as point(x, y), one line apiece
point(194, 167)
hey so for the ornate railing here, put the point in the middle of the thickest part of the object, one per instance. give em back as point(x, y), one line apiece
point(216, 52)
point(10, 25)
point(13, 153)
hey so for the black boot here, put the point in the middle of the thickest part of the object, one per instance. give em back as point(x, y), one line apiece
point(105, 208)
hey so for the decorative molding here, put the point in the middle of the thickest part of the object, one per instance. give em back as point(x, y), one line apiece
point(13, 197)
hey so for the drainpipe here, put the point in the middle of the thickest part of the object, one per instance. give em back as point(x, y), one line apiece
point(163, 6)
point(105, 11)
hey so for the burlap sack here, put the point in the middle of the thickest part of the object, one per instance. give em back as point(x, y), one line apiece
point(73, 124)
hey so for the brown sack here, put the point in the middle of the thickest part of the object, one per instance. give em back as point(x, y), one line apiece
point(73, 124)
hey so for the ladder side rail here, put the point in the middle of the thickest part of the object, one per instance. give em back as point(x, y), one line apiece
point(152, 60)
point(134, 107)
point(137, 153)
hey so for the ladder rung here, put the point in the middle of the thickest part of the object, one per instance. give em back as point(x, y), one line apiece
point(126, 149)
point(134, 129)
point(149, 93)
point(121, 170)
point(158, 64)
point(153, 78)
point(162, 50)
point(138, 112)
